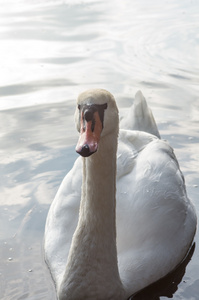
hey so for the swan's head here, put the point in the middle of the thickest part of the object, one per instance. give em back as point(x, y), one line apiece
point(96, 116)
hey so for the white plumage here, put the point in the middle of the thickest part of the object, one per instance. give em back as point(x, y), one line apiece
point(155, 220)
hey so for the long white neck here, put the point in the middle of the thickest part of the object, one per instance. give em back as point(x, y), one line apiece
point(92, 270)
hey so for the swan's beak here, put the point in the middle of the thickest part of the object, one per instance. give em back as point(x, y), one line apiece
point(90, 131)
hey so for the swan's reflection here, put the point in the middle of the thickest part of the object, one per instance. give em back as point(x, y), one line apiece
point(168, 285)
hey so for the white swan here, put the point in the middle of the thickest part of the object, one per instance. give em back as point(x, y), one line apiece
point(95, 250)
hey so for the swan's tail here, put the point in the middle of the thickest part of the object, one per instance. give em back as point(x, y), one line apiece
point(140, 117)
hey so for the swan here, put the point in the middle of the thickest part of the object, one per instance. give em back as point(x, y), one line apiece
point(95, 248)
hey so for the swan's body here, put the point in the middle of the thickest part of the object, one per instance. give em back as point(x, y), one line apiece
point(155, 221)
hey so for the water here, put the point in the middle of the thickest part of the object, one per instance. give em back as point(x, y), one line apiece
point(49, 53)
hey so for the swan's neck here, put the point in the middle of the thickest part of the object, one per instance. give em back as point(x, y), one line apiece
point(92, 270)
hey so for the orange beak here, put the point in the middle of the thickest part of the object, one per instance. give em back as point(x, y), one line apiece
point(90, 131)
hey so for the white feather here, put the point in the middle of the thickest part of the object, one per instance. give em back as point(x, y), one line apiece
point(155, 220)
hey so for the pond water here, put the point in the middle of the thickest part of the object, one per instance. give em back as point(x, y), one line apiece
point(50, 52)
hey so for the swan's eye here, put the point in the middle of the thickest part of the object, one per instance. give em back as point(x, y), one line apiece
point(79, 106)
point(105, 106)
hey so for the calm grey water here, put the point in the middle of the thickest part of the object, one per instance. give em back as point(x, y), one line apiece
point(49, 52)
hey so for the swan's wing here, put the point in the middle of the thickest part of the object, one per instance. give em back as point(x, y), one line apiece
point(152, 209)
point(62, 221)
point(130, 144)
point(155, 219)
point(140, 117)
